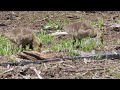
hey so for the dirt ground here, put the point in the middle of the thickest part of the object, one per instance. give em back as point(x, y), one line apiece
point(68, 69)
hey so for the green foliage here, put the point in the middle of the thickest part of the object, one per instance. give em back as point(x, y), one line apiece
point(45, 38)
point(88, 44)
point(99, 23)
point(53, 43)
point(52, 25)
point(63, 45)
point(6, 47)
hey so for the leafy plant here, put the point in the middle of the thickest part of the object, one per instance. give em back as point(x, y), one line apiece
point(6, 47)
point(52, 25)
point(45, 38)
point(88, 44)
point(99, 23)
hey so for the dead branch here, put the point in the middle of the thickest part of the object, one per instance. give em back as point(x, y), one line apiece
point(37, 73)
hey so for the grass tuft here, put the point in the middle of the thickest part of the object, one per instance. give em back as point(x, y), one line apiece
point(99, 23)
point(6, 47)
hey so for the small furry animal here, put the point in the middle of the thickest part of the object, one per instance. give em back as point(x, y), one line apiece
point(79, 30)
point(24, 36)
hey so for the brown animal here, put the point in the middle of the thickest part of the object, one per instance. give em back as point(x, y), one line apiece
point(81, 30)
point(24, 36)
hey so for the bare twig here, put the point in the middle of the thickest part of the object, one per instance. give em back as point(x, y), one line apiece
point(45, 65)
point(83, 73)
point(58, 33)
point(33, 68)
point(11, 69)
point(69, 65)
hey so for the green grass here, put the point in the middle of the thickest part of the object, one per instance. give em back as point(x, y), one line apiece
point(45, 38)
point(52, 43)
point(56, 24)
point(53, 25)
point(6, 47)
point(55, 44)
point(99, 23)
point(87, 44)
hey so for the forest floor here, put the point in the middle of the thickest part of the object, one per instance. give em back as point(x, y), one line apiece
point(68, 69)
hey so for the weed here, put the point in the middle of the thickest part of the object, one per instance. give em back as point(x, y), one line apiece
point(6, 47)
point(87, 44)
point(99, 23)
point(52, 25)
point(45, 38)
point(62, 45)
